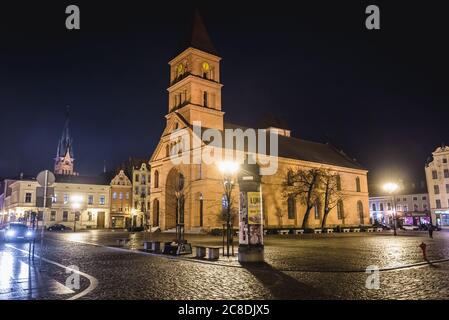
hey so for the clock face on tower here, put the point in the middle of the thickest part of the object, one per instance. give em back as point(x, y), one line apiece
point(180, 69)
point(206, 67)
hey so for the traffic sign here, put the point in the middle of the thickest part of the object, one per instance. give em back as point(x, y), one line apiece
point(46, 175)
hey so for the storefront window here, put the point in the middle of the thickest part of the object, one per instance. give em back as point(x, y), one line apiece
point(445, 219)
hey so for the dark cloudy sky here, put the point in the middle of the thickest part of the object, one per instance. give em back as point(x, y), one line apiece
point(382, 96)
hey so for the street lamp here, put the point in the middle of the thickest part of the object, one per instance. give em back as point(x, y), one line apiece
point(391, 188)
point(76, 202)
point(228, 170)
point(133, 214)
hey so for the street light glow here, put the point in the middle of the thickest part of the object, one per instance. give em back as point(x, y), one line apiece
point(76, 199)
point(229, 167)
point(391, 187)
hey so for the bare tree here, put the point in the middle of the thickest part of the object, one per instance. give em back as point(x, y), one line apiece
point(331, 192)
point(303, 185)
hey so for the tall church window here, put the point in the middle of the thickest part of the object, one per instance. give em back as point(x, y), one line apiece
point(201, 209)
point(338, 182)
point(316, 209)
point(340, 210)
point(357, 184)
point(156, 179)
point(291, 208)
point(360, 211)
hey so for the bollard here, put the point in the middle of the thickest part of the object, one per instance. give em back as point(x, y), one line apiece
point(423, 247)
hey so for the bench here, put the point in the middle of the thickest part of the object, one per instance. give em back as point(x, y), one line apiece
point(370, 230)
point(317, 231)
point(346, 230)
point(122, 241)
point(379, 229)
point(284, 231)
point(356, 230)
point(153, 246)
point(300, 231)
point(329, 230)
point(213, 252)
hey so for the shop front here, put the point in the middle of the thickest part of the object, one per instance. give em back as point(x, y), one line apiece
point(120, 221)
point(416, 218)
point(442, 218)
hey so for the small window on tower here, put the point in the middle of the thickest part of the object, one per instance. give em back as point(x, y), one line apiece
point(205, 103)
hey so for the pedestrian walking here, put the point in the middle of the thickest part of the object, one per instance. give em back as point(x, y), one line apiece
point(430, 231)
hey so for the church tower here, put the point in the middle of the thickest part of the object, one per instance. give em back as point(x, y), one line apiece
point(195, 88)
point(64, 161)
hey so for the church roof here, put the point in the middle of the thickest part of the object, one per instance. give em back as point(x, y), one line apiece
point(299, 149)
point(198, 37)
point(95, 180)
point(66, 142)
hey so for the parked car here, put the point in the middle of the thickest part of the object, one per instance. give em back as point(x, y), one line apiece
point(17, 231)
point(409, 227)
point(58, 227)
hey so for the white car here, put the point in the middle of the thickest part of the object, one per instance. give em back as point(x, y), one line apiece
point(409, 227)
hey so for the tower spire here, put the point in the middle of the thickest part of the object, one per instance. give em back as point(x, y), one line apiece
point(64, 153)
point(198, 37)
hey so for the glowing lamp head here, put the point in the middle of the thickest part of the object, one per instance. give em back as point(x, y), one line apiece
point(391, 187)
point(228, 167)
point(76, 199)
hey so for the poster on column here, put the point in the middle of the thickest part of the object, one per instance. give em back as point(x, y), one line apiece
point(255, 218)
point(254, 208)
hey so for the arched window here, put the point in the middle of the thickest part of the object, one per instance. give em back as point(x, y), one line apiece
point(381, 207)
point(374, 207)
point(180, 182)
point(114, 195)
point(340, 210)
point(291, 207)
point(360, 211)
point(156, 179)
point(155, 212)
point(357, 184)
point(201, 209)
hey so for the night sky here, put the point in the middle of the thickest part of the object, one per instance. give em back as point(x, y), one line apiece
point(381, 96)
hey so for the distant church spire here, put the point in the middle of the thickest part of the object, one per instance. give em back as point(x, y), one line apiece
point(64, 153)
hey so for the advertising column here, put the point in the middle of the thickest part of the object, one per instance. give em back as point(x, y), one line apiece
point(251, 247)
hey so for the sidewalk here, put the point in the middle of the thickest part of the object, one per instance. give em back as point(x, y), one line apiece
point(20, 277)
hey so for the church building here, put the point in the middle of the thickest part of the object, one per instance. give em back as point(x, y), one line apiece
point(195, 96)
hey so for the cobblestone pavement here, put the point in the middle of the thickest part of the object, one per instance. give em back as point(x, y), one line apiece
point(297, 267)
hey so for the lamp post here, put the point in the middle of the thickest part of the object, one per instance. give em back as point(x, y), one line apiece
point(228, 169)
point(391, 188)
point(76, 202)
